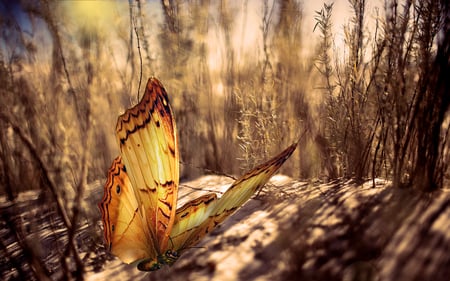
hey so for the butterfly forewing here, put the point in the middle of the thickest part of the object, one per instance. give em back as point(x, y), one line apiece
point(199, 217)
point(148, 144)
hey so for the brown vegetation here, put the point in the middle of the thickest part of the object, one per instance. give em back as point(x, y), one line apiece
point(378, 106)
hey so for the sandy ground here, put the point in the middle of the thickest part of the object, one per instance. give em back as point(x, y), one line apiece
point(290, 231)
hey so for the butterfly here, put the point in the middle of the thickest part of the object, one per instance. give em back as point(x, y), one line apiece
point(141, 223)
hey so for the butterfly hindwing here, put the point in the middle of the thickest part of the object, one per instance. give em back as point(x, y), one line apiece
point(189, 217)
point(123, 222)
point(200, 216)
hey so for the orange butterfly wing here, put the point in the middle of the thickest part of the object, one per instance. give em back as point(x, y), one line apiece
point(124, 225)
point(200, 216)
point(146, 135)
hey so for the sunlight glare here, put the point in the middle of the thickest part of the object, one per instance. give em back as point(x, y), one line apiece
point(92, 14)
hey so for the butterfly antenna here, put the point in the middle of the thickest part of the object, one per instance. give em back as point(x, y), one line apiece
point(201, 189)
point(171, 242)
point(214, 172)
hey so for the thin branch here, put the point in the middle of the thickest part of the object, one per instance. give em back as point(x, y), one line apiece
point(140, 57)
point(46, 179)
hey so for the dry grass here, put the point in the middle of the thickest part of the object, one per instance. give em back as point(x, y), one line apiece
point(381, 109)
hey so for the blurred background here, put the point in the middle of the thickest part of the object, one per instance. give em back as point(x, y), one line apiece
point(364, 83)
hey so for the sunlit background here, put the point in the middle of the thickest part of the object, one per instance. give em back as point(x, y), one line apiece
point(210, 55)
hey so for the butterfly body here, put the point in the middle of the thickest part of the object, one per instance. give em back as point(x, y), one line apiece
point(168, 258)
point(140, 219)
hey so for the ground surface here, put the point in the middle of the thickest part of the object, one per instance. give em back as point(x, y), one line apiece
point(290, 231)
